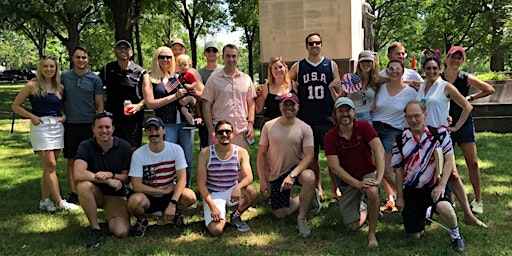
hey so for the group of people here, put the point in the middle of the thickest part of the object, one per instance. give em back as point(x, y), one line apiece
point(380, 133)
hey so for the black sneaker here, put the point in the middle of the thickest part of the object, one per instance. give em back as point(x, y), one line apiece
point(458, 244)
point(94, 238)
point(239, 224)
point(179, 221)
point(73, 198)
point(140, 228)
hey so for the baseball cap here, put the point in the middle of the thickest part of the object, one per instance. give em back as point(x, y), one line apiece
point(343, 101)
point(211, 44)
point(455, 49)
point(156, 121)
point(177, 40)
point(123, 42)
point(366, 55)
point(290, 96)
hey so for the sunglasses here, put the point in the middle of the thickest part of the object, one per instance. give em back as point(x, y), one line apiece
point(103, 114)
point(274, 59)
point(394, 69)
point(224, 132)
point(314, 43)
point(45, 57)
point(164, 57)
point(211, 50)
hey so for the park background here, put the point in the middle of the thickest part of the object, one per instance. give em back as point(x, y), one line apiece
point(32, 28)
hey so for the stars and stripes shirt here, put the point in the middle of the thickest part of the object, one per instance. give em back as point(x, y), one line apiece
point(222, 174)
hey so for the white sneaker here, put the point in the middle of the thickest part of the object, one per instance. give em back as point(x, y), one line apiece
point(47, 205)
point(476, 207)
point(64, 205)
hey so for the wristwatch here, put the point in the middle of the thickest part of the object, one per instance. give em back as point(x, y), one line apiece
point(174, 202)
point(293, 175)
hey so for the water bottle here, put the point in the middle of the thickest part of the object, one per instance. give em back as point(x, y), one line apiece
point(246, 133)
point(127, 107)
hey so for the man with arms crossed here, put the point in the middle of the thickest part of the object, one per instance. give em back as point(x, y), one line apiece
point(217, 172)
point(83, 99)
point(101, 172)
point(418, 185)
point(348, 147)
point(313, 75)
point(286, 144)
point(158, 173)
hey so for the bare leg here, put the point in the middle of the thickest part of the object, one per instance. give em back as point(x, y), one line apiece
point(471, 157)
point(71, 176)
point(307, 192)
point(315, 166)
point(49, 182)
point(87, 196)
point(457, 188)
point(372, 194)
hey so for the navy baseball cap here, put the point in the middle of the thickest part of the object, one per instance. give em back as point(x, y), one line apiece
point(156, 121)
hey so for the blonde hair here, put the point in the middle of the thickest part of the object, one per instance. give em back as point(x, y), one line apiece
point(374, 81)
point(271, 77)
point(56, 84)
point(156, 73)
point(183, 58)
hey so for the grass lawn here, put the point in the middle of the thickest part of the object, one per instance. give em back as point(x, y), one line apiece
point(24, 230)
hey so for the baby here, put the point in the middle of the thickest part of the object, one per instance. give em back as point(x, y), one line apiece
point(188, 80)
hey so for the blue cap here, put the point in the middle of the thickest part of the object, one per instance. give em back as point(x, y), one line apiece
point(156, 121)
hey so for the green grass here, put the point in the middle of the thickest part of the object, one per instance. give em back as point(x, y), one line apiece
point(24, 230)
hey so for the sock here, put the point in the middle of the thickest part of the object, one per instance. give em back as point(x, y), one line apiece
point(454, 233)
point(237, 213)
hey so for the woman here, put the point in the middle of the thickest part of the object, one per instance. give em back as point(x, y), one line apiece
point(162, 94)
point(269, 97)
point(388, 118)
point(278, 84)
point(465, 136)
point(45, 94)
point(436, 94)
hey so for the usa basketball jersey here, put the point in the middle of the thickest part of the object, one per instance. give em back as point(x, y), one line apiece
point(315, 98)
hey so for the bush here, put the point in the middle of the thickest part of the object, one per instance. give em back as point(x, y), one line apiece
point(492, 76)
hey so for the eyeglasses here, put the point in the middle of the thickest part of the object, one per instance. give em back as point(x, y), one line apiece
point(363, 98)
point(224, 132)
point(415, 117)
point(103, 114)
point(314, 43)
point(164, 57)
point(394, 69)
point(79, 82)
point(209, 50)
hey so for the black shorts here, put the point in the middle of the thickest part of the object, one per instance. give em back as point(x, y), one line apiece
point(319, 132)
point(158, 204)
point(281, 199)
point(129, 131)
point(74, 134)
point(416, 202)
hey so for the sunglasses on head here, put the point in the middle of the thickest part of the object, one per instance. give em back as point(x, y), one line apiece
point(223, 132)
point(211, 50)
point(314, 43)
point(103, 114)
point(164, 57)
point(45, 57)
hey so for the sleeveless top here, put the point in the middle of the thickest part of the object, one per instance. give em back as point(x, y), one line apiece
point(316, 103)
point(222, 174)
point(46, 105)
point(167, 112)
point(461, 83)
point(272, 104)
point(436, 101)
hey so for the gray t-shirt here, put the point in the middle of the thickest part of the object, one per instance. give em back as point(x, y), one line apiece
point(79, 97)
point(205, 73)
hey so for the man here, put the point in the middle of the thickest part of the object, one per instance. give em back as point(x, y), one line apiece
point(313, 75)
point(101, 172)
point(286, 144)
point(349, 147)
point(83, 99)
point(229, 95)
point(123, 81)
point(418, 185)
point(396, 51)
point(211, 52)
point(218, 168)
point(158, 178)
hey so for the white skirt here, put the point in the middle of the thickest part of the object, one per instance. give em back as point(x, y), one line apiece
point(48, 135)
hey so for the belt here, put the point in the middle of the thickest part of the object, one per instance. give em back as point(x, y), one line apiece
point(381, 125)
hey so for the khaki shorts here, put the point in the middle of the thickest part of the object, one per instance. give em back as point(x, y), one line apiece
point(113, 206)
point(350, 201)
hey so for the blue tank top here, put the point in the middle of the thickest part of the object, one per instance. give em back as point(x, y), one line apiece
point(46, 105)
point(222, 174)
point(315, 98)
point(461, 83)
point(167, 112)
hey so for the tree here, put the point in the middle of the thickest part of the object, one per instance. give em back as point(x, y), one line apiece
point(198, 18)
point(245, 15)
point(496, 13)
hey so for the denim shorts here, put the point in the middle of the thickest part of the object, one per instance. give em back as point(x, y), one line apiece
point(387, 135)
point(465, 134)
point(364, 116)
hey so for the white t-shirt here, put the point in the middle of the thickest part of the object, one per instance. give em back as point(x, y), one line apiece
point(157, 170)
point(390, 109)
point(438, 105)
